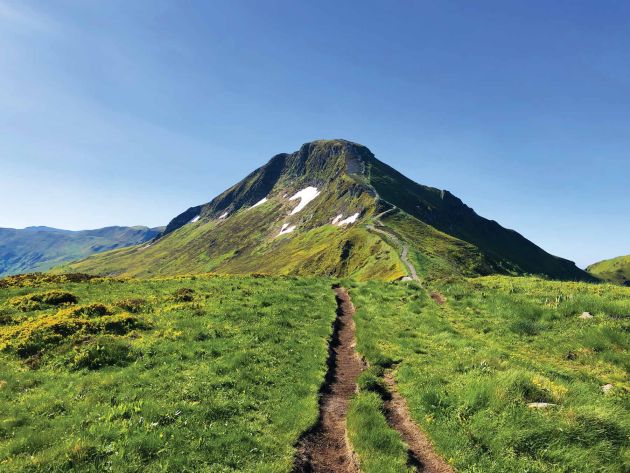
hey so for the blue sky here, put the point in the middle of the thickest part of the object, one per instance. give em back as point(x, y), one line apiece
point(127, 113)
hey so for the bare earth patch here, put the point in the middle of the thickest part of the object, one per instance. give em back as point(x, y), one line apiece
point(326, 448)
point(421, 453)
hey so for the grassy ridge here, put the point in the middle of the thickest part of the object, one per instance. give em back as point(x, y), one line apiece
point(616, 270)
point(179, 374)
point(469, 368)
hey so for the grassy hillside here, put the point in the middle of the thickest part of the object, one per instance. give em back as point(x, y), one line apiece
point(179, 374)
point(507, 249)
point(616, 270)
point(248, 242)
point(469, 368)
point(41, 248)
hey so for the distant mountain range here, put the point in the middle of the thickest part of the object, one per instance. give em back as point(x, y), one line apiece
point(615, 270)
point(332, 208)
point(41, 248)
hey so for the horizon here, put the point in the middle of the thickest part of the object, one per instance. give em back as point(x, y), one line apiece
point(126, 115)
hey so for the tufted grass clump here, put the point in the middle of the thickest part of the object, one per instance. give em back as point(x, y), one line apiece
point(101, 351)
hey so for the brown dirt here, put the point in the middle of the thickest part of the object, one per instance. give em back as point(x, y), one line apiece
point(421, 453)
point(438, 298)
point(325, 448)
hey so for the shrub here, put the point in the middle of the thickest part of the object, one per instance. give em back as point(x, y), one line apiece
point(131, 305)
point(184, 294)
point(25, 304)
point(121, 324)
point(36, 336)
point(92, 310)
point(33, 337)
point(34, 301)
point(103, 351)
point(56, 298)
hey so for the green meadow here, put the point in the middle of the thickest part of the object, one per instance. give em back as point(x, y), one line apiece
point(471, 368)
point(222, 373)
point(177, 374)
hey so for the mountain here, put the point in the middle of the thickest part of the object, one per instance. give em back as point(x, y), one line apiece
point(332, 208)
point(616, 270)
point(41, 248)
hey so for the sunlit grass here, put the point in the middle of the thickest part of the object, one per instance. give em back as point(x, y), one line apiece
point(470, 367)
point(220, 374)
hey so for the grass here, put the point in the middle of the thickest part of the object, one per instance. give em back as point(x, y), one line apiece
point(615, 270)
point(181, 374)
point(218, 373)
point(380, 449)
point(247, 242)
point(469, 368)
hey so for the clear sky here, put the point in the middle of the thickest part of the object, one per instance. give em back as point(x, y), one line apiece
point(128, 112)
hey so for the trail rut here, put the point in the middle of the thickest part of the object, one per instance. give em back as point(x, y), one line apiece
point(420, 450)
point(326, 448)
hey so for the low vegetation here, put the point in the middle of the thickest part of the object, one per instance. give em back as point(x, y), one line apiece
point(615, 270)
point(217, 373)
point(505, 375)
point(180, 374)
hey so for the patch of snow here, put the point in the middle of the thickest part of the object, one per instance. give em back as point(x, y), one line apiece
point(337, 218)
point(260, 202)
point(222, 216)
point(305, 195)
point(351, 219)
point(286, 229)
point(196, 219)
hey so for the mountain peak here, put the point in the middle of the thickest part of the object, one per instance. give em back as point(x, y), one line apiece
point(314, 211)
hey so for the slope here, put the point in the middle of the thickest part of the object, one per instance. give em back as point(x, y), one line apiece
point(506, 248)
point(616, 270)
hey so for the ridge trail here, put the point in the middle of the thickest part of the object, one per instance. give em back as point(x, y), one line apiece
point(404, 253)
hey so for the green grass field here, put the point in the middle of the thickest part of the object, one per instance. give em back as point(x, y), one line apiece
point(179, 374)
point(615, 270)
point(221, 374)
point(470, 367)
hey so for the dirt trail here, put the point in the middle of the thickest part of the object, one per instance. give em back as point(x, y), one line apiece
point(326, 448)
point(421, 453)
point(404, 252)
